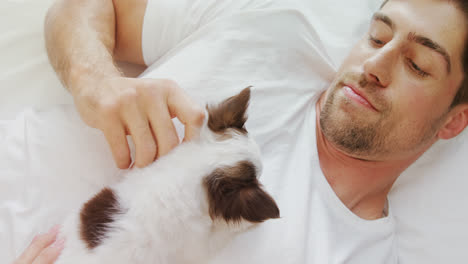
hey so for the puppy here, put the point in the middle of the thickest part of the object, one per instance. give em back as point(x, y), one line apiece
point(183, 207)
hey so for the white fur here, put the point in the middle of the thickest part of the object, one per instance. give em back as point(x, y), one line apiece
point(166, 217)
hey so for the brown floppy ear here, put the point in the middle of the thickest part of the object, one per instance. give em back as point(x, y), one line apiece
point(234, 193)
point(231, 113)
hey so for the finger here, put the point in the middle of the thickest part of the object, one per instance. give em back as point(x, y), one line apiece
point(51, 253)
point(187, 111)
point(163, 129)
point(38, 244)
point(139, 128)
point(117, 140)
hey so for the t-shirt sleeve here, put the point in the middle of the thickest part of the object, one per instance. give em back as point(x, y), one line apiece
point(168, 22)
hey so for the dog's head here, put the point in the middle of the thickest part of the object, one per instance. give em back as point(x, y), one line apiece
point(234, 192)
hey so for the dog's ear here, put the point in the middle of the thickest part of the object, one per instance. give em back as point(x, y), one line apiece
point(231, 113)
point(234, 193)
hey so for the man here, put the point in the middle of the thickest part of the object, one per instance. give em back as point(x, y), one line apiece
point(330, 159)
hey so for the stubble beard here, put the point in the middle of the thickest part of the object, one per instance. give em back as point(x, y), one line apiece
point(354, 137)
point(368, 138)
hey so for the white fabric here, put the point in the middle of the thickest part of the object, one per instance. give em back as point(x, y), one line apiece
point(50, 161)
point(315, 227)
point(276, 50)
point(22, 52)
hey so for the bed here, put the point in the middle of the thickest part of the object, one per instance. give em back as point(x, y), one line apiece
point(50, 160)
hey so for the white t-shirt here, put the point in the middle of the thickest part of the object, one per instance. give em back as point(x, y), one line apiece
point(215, 48)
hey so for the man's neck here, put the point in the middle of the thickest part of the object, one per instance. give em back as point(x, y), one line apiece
point(361, 185)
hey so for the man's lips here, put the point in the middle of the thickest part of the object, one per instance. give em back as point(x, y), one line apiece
point(355, 95)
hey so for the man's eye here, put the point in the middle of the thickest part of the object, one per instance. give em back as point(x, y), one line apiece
point(376, 41)
point(416, 69)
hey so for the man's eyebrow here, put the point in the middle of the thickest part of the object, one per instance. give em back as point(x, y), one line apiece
point(427, 42)
point(378, 16)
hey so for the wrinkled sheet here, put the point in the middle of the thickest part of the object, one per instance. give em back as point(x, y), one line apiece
point(50, 161)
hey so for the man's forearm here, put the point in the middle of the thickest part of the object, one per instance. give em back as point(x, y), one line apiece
point(80, 40)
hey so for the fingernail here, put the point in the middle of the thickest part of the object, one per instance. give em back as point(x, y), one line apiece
point(35, 238)
point(54, 230)
point(59, 243)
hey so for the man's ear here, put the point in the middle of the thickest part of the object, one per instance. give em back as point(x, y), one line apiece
point(456, 123)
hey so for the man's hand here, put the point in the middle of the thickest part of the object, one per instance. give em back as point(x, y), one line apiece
point(141, 108)
point(82, 40)
point(44, 249)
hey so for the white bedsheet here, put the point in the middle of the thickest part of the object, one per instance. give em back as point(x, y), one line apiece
point(49, 160)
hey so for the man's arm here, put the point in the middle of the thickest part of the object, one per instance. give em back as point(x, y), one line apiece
point(80, 40)
point(83, 37)
point(77, 28)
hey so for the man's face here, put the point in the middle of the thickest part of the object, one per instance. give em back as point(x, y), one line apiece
point(392, 93)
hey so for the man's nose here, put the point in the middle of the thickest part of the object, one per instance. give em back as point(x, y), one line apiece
point(378, 68)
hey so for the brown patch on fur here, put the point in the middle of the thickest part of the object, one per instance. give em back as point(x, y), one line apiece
point(96, 215)
point(235, 193)
point(231, 113)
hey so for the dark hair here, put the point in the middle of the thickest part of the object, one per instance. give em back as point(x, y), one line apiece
point(462, 94)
